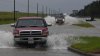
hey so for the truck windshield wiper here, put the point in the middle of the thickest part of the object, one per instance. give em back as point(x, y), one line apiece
point(21, 26)
point(27, 26)
point(34, 26)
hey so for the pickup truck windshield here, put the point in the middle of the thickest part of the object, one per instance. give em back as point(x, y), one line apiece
point(30, 23)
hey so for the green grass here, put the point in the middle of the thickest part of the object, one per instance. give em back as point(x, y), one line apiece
point(7, 17)
point(6, 22)
point(92, 44)
point(84, 24)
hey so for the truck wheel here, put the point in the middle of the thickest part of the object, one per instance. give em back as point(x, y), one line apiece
point(16, 44)
point(44, 44)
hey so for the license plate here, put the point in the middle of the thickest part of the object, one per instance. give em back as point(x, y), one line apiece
point(30, 40)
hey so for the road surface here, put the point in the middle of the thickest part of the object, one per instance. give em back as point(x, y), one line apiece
point(56, 42)
point(54, 49)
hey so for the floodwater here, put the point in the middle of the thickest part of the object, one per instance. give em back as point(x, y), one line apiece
point(56, 40)
point(61, 36)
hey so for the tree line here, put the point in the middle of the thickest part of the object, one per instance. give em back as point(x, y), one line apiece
point(92, 9)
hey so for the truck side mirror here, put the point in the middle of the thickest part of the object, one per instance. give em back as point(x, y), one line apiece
point(49, 25)
point(12, 25)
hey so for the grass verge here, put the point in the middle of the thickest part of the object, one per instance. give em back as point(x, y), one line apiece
point(6, 22)
point(84, 24)
point(7, 17)
point(91, 45)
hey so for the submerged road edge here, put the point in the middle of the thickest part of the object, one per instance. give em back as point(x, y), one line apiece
point(80, 52)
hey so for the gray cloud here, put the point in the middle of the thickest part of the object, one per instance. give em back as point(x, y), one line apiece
point(64, 5)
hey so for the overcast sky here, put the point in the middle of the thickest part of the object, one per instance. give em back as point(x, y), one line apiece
point(64, 5)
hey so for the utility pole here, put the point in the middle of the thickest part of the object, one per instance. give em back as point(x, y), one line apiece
point(14, 11)
point(53, 11)
point(43, 11)
point(37, 9)
point(28, 9)
point(49, 11)
point(46, 11)
point(59, 11)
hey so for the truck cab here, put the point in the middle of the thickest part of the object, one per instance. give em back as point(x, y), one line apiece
point(30, 30)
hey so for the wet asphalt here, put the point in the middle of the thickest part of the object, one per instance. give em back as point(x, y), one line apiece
point(55, 29)
point(27, 51)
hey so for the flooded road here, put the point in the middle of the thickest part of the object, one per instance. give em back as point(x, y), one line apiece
point(57, 41)
point(35, 52)
point(57, 45)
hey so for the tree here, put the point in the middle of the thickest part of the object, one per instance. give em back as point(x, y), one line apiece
point(92, 10)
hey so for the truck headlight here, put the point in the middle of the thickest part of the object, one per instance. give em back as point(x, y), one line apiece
point(16, 32)
point(45, 33)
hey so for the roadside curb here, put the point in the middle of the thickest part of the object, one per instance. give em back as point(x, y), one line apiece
point(79, 52)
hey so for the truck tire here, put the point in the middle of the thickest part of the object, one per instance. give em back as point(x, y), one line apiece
point(44, 44)
point(16, 44)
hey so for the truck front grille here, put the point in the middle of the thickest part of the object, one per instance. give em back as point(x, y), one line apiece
point(30, 33)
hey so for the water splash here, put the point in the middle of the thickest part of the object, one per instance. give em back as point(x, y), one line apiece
point(71, 20)
point(6, 39)
point(50, 20)
point(68, 20)
point(58, 41)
